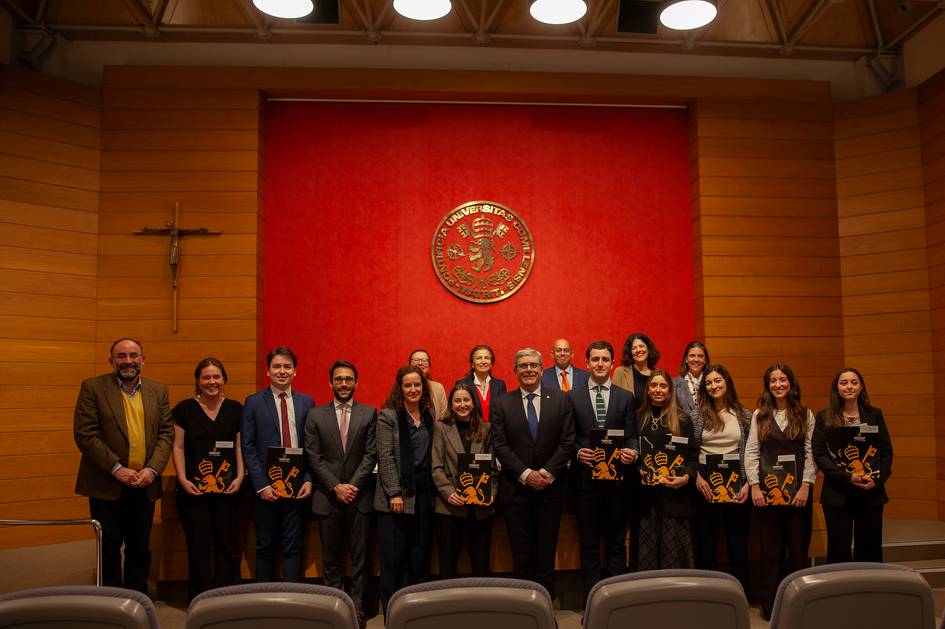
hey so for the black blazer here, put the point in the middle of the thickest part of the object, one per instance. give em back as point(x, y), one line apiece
point(620, 416)
point(516, 450)
point(496, 390)
point(837, 488)
point(676, 503)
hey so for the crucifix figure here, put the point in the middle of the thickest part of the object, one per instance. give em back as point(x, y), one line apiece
point(173, 255)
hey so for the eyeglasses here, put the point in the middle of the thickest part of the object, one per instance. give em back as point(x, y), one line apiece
point(420, 361)
point(343, 379)
point(528, 366)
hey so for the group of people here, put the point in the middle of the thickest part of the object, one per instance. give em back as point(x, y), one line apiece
point(400, 466)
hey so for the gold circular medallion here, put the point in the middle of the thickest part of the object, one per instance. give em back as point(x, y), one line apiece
point(482, 252)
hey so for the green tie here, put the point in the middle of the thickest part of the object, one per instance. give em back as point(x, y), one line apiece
point(601, 408)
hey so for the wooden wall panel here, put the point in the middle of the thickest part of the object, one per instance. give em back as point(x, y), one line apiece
point(931, 123)
point(765, 243)
point(49, 181)
point(885, 283)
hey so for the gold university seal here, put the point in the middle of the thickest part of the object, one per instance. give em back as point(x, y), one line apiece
point(482, 252)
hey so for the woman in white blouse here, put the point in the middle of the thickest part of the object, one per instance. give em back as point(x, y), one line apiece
point(781, 429)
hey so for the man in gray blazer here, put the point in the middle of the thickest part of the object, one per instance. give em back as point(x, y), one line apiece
point(340, 447)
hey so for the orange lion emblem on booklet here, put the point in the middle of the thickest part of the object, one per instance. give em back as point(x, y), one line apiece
point(722, 491)
point(777, 495)
point(473, 494)
point(283, 486)
point(603, 468)
point(660, 470)
point(207, 481)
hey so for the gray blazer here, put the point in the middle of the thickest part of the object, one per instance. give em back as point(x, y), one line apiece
point(447, 445)
point(683, 396)
point(698, 422)
point(388, 463)
point(331, 464)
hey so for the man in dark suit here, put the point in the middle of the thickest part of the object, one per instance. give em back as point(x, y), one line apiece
point(275, 418)
point(123, 428)
point(601, 504)
point(564, 375)
point(533, 438)
point(340, 448)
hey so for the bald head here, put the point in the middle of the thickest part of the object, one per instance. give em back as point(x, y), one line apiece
point(561, 351)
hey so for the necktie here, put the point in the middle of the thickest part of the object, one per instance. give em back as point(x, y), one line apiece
point(565, 385)
point(600, 407)
point(532, 416)
point(286, 435)
point(343, 427)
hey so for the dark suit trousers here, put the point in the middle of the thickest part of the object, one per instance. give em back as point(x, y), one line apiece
point(346, 522)
point(532, 523)
point(127, 521)
point(280, 521)
point(785, 539)
point(856, 523)
point(710, 518)
point(450, 531)
point(211, 528)
point(602, 510)
point(403, 543)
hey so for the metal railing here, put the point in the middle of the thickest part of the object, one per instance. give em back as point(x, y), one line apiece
point(96, 526)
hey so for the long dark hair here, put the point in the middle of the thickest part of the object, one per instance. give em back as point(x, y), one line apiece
point(684, 366)
point(671, 414)
point(796, 412)
point(711, 420)
point(395, 399)
point(475, 417)
point(653, 357)
point(210, 361)
point(472, 353)
point(835, 406)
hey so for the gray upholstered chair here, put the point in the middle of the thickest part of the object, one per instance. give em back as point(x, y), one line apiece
point(668, 599)
point(77, 607)
point(861, 595)
point(471, 603)
point(273, 606)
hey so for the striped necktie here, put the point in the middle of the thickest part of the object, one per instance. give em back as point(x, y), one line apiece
point(601, 407)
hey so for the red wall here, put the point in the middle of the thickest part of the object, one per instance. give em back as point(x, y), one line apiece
point(354, 192)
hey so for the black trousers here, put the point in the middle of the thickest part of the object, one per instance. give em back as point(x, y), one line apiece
point(856, 523)
point(211, 525)
point(734, 520)
point(450, 531)
point(532, 523)
point(602, 511)
point(403, 542)
point(785, 540)
point(281, 521)
point(125, 521)
point(346, 522)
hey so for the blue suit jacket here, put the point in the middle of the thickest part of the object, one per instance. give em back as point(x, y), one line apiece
point(259, 430)
point(549, 378)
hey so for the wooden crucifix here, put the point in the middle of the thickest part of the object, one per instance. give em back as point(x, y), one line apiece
point(172, 229)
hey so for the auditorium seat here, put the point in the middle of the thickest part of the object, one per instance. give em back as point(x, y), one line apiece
point(77, 607)
point(471, 603)
point(668, 599)
point(273, 606)
point(861, 595)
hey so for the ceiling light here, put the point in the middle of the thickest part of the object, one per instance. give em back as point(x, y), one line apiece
point(423, 9)
point(558, 11)
point(285, 8)
point(684, 15)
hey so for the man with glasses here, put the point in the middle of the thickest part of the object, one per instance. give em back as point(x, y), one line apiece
point(341, 451)
point(123, 428)
point(564, 374)
point(533, 438)
point(421, 358)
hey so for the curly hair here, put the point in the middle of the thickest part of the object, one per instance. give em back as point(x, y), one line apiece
point(395, 399)
point(626, 358)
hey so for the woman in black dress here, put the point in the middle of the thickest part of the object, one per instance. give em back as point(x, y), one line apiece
point(209, 507)
point(853, 500)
